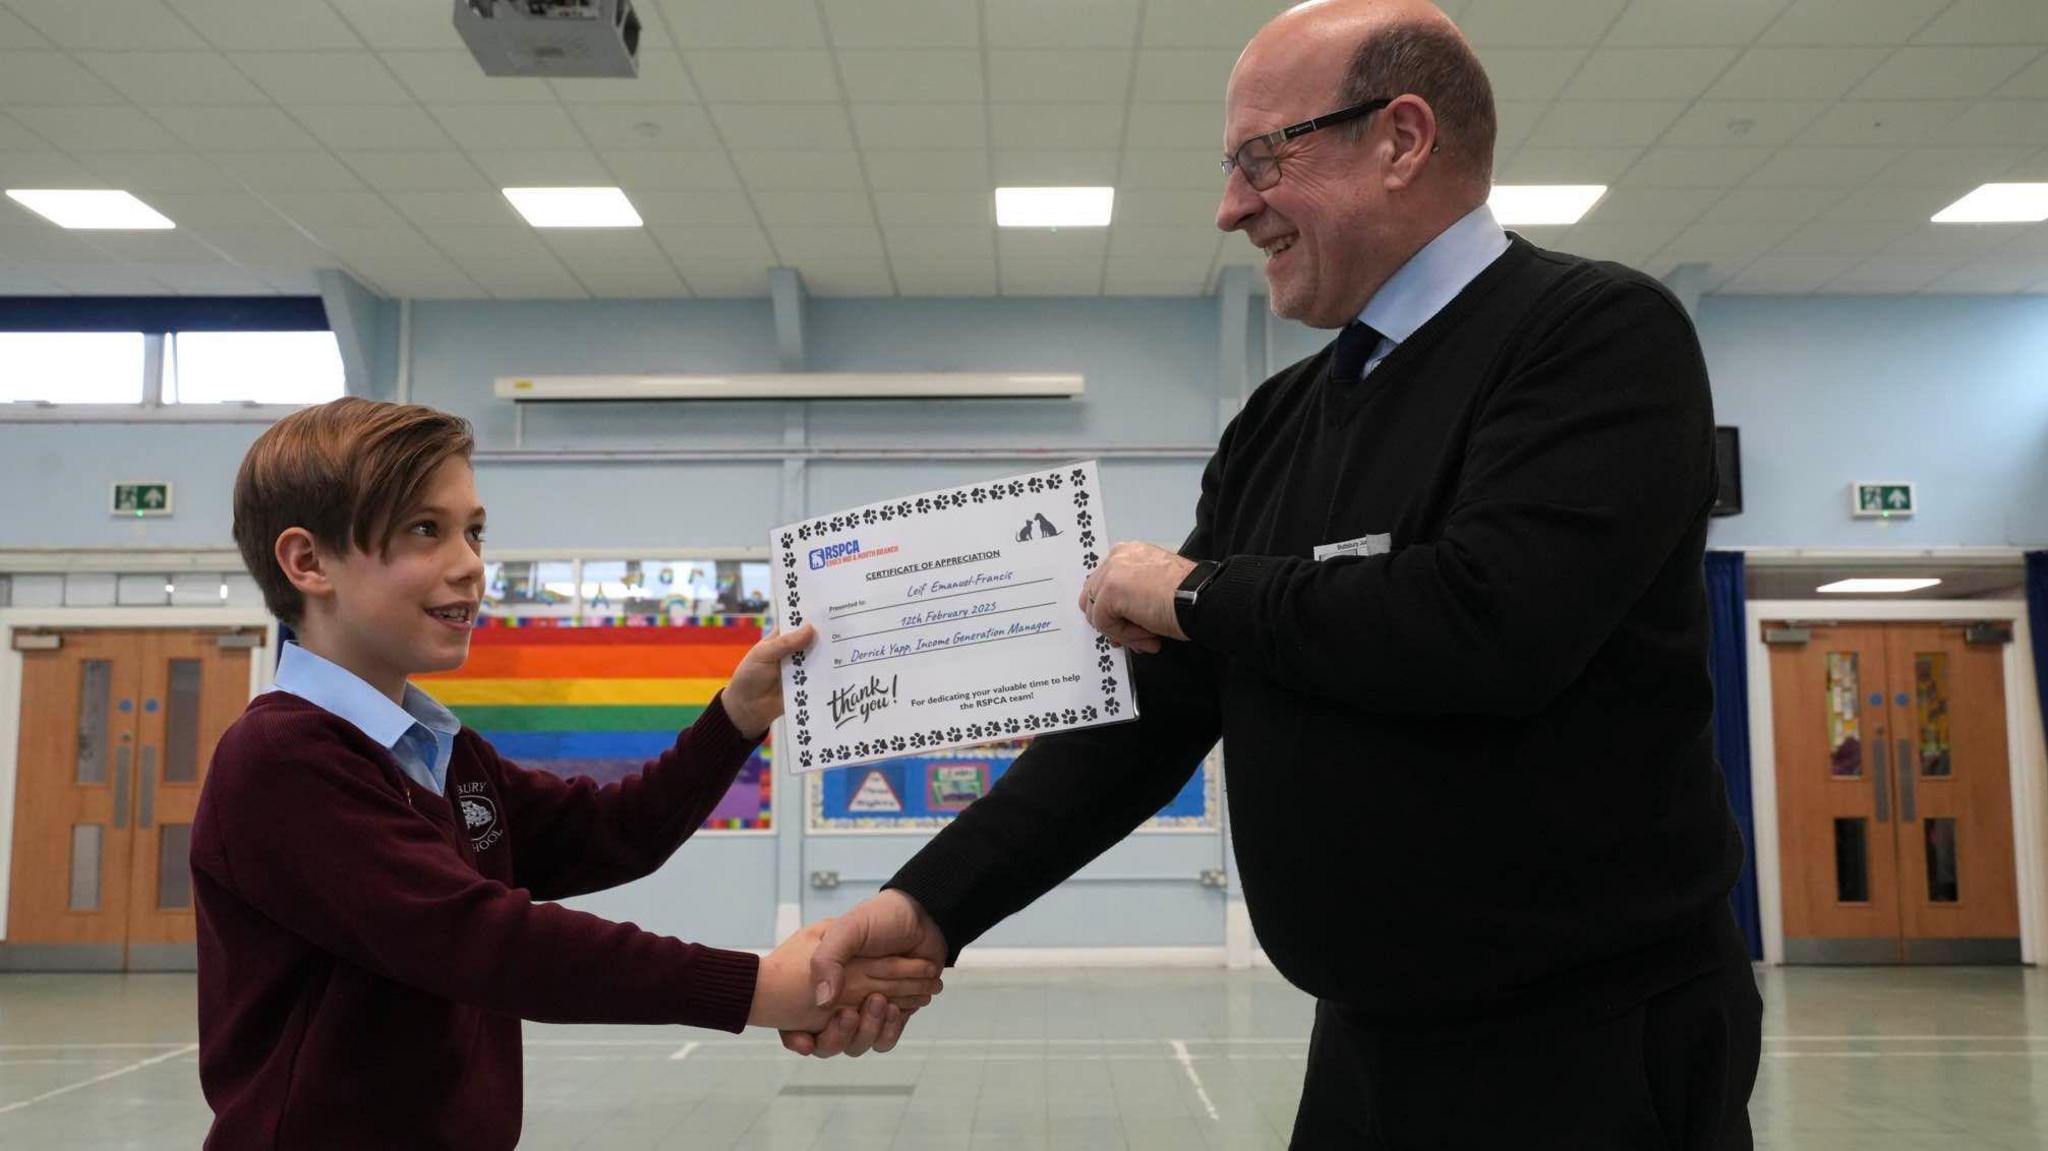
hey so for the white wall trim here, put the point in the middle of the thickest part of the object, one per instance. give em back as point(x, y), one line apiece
point(1853, 557)
point(12, 619)
point(2027, 762)
point(1092, 957)
point(1239, 944)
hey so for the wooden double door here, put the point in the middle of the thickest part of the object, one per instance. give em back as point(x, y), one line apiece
point(117, 728)
point(1895, 810)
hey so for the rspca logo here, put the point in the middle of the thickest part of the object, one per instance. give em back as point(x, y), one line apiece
point(480, 816)
point(824, 557)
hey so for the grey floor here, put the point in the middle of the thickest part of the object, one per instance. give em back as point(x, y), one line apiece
point(1947, 1059)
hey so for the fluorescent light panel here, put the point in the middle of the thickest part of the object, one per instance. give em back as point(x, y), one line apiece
point(1054, 207)
point(1536, 204)
point(90, 209)
point(1870, 586)
point(1998, 204)
point(574, 207)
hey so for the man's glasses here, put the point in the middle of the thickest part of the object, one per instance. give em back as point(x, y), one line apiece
point(1259, 158)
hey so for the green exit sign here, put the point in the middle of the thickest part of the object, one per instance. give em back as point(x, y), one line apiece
point(1881, 501)
point(141, 500)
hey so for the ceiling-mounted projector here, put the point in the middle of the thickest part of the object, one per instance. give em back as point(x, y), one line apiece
point(551, 38)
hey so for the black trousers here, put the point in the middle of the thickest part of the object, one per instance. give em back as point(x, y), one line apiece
point(1673, 1073)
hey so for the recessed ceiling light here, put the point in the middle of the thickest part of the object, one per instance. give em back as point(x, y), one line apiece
point(1998, 204)
point(1874, 586)
point(1054, 207)
point(1533, 204)
point(574, 207)
point(95, 209)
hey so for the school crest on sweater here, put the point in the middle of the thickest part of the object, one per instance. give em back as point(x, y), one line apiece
point(479, 815)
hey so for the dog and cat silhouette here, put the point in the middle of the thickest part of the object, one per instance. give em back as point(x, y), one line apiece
point(1045, 529)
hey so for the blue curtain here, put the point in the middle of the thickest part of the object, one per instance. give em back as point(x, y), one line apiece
point(1728, 655)
point(2037, 622)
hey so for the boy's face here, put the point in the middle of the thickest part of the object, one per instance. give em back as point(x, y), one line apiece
point(410, 612)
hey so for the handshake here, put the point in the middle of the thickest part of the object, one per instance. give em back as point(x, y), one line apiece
point(846, 986)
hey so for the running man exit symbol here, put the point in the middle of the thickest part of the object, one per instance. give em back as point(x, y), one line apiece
point(149, 498)
point(1881, 500)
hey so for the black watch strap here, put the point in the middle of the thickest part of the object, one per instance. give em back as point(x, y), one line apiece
point(1189, 593)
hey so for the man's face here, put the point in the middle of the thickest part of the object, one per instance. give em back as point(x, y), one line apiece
point(411, 611)
point(1315, 225)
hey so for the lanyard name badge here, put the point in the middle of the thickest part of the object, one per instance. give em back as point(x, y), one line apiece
point(1371, 545)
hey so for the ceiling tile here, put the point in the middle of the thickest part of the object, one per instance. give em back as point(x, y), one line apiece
point(1157, 276)
point(622, 262)
point(1077, 244)
point(49, 78)
point(914, 209)
point(921, 125)
point(729, 279)
point(934, 277)
point(1828, 236)
point(1076, 75)
point(234, 24)
point(662, 80)
point(1056, 126)
point(770, 75)
point(156, 171)
point(43, 170)
point(1513, 121)
point(1680, 23)
point(1055, 169)
point(847, 278)
point(1654, 205)
point(14, 137)
point(1894, 204)
point(151, 78)
point(236, 128)
point(103, 127)
point(218, 278)
point(1771, 205)
point(1988, 22)
point(2030, 82)
point(1520, 24)
point(663, 171)
point(322, 77)
point(542, 168)
point(897, 77)
point(1892, 275)
point(318, 211)
point(2001, 123)
point(455, 78)
point(745, 23)
point(1789, 275)
point(1648, 73)
point(1060, 23)
point(806, 207)
point(1598, 123)
point(1530, 73)
point(1173, 168)
point(1204, 23)
point(400, 23)
point(662, 127)
point(1627, 243)
point(109, 24)
point(452, 210)
point(1795, 73)
point(779, 127)
point(1567, 165)
point(947, 242)
point(691, 244)
point(1991, 277)
point(798, 171)
point(1184, 208)
point(231, 217)
point(1197, 74)
point(284, 170)
point(1183, 241)
point(1945, 73)
point(1823, 167)
point(1741, 123)
point(801, 242)
point(516, 279)
point(1726, 246)
point(99, 278)
point(1851, 21)
point(901, 23)
point(1695, 167)
point(482, 126)
point(465, 242)
point(731, 208)
point(1876, 123)
point(372, 126)
point(1930, 239)
point(449, 171)
point(14, 33)
point(1189, 126)
point(1051, 277)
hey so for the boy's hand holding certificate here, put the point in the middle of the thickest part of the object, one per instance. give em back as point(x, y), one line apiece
point(947, 619)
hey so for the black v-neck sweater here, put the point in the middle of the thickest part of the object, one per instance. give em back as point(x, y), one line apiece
point(1471, 776)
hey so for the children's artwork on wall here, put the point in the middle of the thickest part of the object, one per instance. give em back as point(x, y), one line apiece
point(925, 792)
point(601, 696)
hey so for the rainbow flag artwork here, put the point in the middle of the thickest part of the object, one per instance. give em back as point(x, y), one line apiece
point(602, 699)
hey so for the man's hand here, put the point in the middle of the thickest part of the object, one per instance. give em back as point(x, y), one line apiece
point(890, 924)
point(1130, 597)
point(784, 995)
point(753, 699)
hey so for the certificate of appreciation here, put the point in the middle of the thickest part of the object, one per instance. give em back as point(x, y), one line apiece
point(947, 619)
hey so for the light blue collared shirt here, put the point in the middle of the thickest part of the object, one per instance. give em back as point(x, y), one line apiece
point(420, 735)
point(1430, 279)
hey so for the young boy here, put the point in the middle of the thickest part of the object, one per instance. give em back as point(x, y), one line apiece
point(366, 870)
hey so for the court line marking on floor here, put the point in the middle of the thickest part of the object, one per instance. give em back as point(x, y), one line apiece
point(683, 1052)
point(1906, 1054)
point(1187, 1064)
point(89, 1046)
point(114, 1074)
point(1905, 1038)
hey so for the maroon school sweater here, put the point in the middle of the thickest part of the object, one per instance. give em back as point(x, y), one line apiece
point(367, 950)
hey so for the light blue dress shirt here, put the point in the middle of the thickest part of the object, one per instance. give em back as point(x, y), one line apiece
point(1430, 279)
point(420, 734)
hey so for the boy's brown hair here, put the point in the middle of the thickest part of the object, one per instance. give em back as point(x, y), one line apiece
point(345, 471)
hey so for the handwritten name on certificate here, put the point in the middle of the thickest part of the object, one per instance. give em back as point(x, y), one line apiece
point(947, 619)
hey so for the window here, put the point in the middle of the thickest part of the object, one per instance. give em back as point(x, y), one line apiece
point(252, 367)
point(71, 367)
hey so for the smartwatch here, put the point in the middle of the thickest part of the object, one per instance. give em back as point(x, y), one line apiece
point(1189, 593)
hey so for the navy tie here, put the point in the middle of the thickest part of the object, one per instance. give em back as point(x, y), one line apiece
point(1354, 346)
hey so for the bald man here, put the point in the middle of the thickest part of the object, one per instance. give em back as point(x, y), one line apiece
point(1443, 604)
